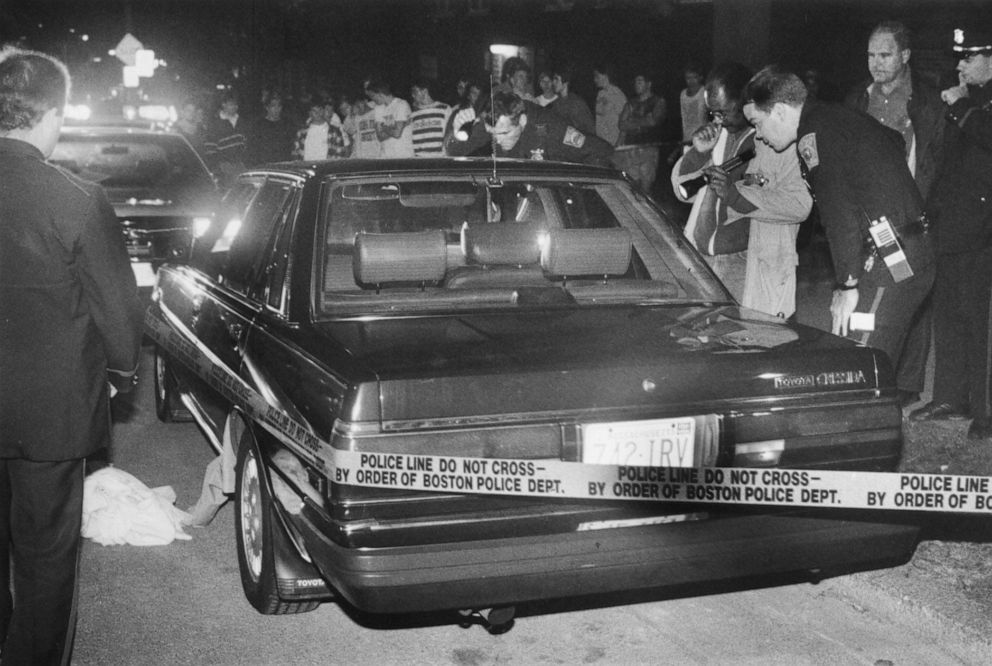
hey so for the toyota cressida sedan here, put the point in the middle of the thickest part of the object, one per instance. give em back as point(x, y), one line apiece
point(510, 310)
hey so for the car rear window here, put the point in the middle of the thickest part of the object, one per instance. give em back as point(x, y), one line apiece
point(422, 243)
point(158, 162)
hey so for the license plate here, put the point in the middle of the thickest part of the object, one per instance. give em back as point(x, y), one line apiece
point(654, 443)
point(143, 273)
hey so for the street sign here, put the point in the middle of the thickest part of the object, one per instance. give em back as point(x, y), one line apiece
point(145, 62)
point(131, 77)
point(127, 48)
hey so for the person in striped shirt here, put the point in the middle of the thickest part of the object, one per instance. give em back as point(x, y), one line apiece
point(428, 120)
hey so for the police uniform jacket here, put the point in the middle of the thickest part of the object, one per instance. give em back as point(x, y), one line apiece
point(857, 170)
point(926, 112)
point(69, 309)
point(961, 204)
point(546, 136)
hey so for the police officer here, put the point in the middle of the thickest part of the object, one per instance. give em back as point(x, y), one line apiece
point(525, 130)
point(857, 171)
point(71, 320)
point(961, 208)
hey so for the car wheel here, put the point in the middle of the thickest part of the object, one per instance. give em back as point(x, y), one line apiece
point(254, 525)
point(168, 406)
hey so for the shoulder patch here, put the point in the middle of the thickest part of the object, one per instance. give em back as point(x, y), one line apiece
point(807, 150)
point(574, 138)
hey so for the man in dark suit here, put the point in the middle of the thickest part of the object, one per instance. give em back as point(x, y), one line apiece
point(70, 326)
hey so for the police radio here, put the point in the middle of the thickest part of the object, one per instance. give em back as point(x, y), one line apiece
point(688, 189)
point(887, 247)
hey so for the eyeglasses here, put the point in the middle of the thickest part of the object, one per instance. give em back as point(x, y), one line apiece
point(721, 115)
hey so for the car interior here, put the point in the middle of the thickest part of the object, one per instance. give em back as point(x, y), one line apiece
point(446, 243)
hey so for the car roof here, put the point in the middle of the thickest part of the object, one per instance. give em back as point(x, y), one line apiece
point(451, 165)
point(115, 129)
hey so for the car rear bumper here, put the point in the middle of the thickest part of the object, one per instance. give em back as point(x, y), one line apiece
point(480, 574)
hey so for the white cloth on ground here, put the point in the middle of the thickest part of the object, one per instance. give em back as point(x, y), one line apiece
point(120, 509)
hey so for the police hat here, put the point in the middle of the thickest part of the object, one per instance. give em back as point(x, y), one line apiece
point(968, 41)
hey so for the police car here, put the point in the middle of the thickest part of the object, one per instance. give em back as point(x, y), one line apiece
point(161, 190)
point(394, 351)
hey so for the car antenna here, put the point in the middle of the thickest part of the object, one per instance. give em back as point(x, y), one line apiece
point(494, 180)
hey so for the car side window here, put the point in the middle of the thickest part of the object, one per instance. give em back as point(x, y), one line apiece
point(277, 268)
point(584, 208)
point(249, 246)
point(210, 250)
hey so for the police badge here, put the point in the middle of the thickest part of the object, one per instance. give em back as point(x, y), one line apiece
point(807, 151)
point(574, 138)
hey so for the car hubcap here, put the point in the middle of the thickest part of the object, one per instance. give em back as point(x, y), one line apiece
point(251, 517)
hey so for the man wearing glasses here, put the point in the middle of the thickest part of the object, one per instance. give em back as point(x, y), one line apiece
point(746, 219)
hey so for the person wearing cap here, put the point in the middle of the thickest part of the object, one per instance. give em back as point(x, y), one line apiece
point(901, 100)
point(961, 213)
point(857, 170)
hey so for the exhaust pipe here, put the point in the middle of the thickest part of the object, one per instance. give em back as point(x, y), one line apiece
point(498, 620)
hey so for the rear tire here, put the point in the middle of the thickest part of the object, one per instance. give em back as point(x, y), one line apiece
point(254, 523)
point(168, 406)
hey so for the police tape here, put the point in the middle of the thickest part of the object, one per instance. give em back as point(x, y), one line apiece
point(578, 480)
point(707, 485)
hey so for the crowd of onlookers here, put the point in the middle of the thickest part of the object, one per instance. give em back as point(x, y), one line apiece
point(232, 133)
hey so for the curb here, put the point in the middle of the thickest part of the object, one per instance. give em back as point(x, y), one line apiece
point(913, 595)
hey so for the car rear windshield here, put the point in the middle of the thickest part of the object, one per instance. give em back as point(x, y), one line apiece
point(153, 163)
point(440, 244)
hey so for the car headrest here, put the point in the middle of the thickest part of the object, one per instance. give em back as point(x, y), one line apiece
point(574, 252)
point(400, 257)
point(501, 243)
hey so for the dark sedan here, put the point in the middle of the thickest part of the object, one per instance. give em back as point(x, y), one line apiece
point(161, 190)
point(500, 311)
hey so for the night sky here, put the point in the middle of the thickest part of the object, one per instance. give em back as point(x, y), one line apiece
point(331, 44)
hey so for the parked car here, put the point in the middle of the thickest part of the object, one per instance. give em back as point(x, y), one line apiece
point(499, 310)
point(160, 188)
